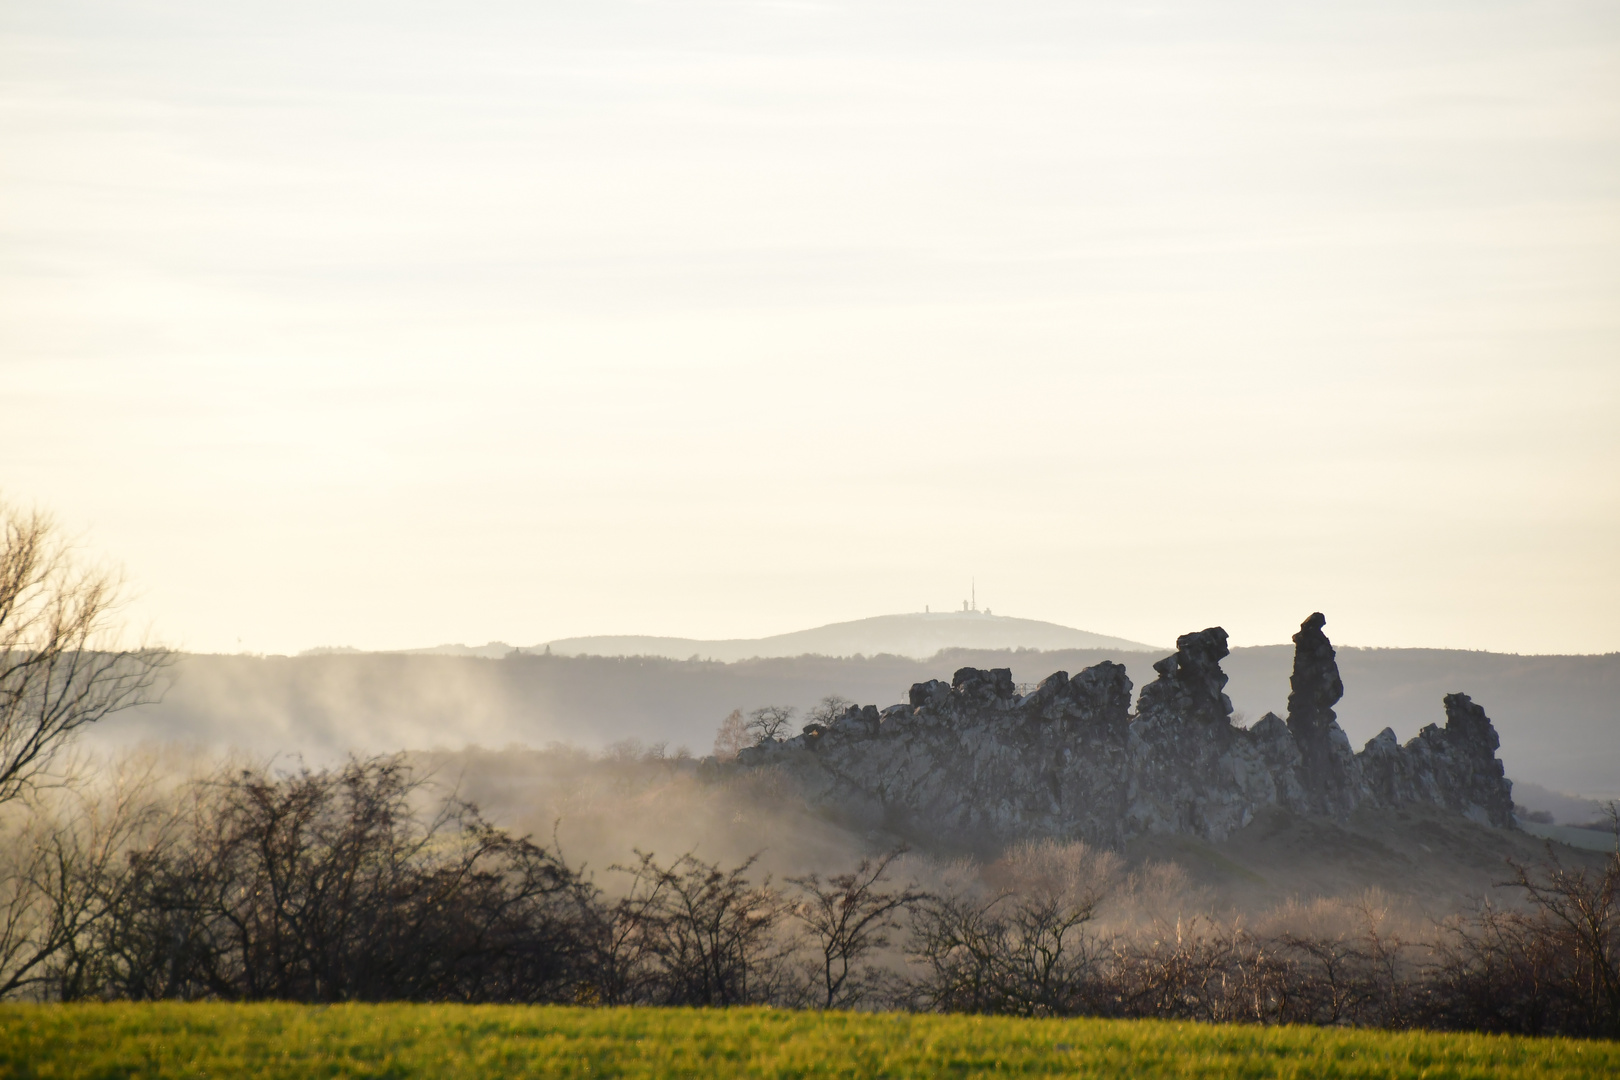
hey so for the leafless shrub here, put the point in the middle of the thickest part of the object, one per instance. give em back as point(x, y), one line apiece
point(1581, 910)
point(328, 886)
point(1553, 968)
point(1349, 964)
point(1195, 969)
point(692, 933)
point(847, 918)
point(1493, 971)
point(366, 883)
point(1549, 967)
point(1152, 894)
point(60, 874)
point(1022, 949)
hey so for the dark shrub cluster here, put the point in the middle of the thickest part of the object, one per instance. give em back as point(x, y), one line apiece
point(331, 886)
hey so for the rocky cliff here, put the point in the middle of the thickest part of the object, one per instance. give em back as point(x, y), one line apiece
point(975, 762)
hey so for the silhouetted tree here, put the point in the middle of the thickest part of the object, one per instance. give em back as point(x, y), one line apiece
point(1020, 956)
point(61, 666)
point(63, 874)
point(692, 933)
point(830, 708)
point(1551, 969)
point(769, 723)
point(849, 917)
point(1583, 909)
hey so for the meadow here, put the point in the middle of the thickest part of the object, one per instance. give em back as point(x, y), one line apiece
point(90, 1042)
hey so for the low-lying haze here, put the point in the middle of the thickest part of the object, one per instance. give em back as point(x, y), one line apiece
point(1557, 715)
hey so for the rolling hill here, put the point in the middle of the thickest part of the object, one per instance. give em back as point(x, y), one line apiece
point(917, 635)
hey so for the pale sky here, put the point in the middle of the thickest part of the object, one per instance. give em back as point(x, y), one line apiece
point(392, 324)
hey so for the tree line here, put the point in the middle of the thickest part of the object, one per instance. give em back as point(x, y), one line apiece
point(360, 884)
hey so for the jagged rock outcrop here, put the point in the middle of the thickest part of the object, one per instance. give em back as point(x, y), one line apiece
point(1191, 770)
point(1327, 768)
point(1191, 682)
point(974, 762)
point(1454, 766)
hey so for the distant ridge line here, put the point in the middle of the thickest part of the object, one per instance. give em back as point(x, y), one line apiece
point(920, 635)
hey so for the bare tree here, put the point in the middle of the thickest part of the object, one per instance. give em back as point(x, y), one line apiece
point(61, 666)
point(61, 874)
point(848, 918)
point(1011, 954)
point(767, 724)
point(1580, 909)
point(1029, 948)
point(624, 936)
point(830, 708)
point(731, 737)
point(699, 934)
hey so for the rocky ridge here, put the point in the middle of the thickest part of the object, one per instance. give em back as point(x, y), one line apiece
point(973, 761)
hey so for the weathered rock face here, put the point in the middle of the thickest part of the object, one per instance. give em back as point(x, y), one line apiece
point(1454, 766)
point(1191, 682)
point(1190, 770)
point(1327, 767)
point(975, 762)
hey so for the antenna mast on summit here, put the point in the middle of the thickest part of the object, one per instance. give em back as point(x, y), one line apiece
point(973, 591)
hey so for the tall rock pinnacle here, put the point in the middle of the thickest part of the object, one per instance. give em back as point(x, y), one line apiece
point(1327, 764)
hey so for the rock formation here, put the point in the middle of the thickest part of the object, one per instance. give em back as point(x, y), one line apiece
point(973, 762)
point(1454, 766)
point(1327, 767)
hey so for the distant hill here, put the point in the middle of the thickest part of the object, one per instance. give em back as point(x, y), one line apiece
point(493, 651)
point(918, 635)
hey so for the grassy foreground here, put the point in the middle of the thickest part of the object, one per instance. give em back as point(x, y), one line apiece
point(453, 1041)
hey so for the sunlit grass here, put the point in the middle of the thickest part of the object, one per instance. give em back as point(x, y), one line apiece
point(453, 1041)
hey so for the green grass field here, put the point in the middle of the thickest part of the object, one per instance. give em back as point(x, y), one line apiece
point(453, 1041)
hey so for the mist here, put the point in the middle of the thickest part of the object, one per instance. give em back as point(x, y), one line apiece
point(1556, 715)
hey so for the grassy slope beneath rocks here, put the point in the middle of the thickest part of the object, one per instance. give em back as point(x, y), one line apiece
point(450, 1041)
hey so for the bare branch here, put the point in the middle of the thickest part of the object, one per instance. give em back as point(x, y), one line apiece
point(61, 664)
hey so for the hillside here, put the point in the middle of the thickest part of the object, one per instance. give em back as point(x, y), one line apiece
point(1426, 860)
point(917, 635)
point(1558, 716)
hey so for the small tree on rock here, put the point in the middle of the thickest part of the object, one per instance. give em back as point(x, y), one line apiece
point(830, 708)
point(770, 723)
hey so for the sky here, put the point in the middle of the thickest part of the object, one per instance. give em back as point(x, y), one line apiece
point(394, 324)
